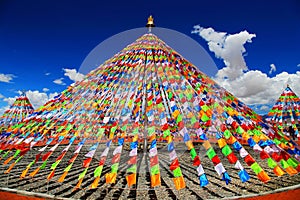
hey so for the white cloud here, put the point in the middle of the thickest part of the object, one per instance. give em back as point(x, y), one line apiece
point(6, 78)
point(47, 74)
point(59, 81)
point(253, 87)
point(265, 108)
point(228, 47)
point(1, 96)
point(73, 74)
point(298, 65)
point(36, 98)
point(273, 69)
point(45, 89)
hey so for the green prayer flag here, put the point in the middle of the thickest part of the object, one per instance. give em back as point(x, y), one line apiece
point(54, 165)
point(124, 128)
point(69, 127)
point(193, 120)
point(82, 174)
point(113, 129)
point(44, 164)
point(226, 150)
point(30, 164)
point(98, 171)
point(277, 142)
point(179, 118)
point(240, 130)
point(227, 134)
point(132, 169)
point(284, 164)
point(256, 168)
point(68, 168)
point(181, 96)
point(204, 107)
point(151, 130)
point(160, 105)
point(167, 133)
point(204, 117)
point(193, 153)
point(135, 131)
point(114, 167)
point(271, 163)
point(177, 172)
point(19, 159)
point(210, 153)
point(6, 153)
point(189, 96)
point(292, 162)
point(17, 153)
point(154, 169)
point(170, 95)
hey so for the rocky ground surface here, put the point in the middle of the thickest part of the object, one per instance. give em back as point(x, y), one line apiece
point(142, 190)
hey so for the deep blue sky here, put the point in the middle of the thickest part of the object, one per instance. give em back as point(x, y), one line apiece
point(38, 37)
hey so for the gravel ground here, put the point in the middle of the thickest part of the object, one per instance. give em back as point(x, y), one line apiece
point(142, 190)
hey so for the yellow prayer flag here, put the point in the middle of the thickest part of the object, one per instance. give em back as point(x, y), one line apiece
point(206, 144)
point(111, 177)
point(189, 144)
point(95, 183)
point(179, 183)
point(278, 171)
point(221, 142)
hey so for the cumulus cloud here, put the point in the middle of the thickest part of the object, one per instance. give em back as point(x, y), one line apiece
point(6, 78)
point(36, 98)
point(59, 81)
point(272, 68)
point(228, 47)
point(264, 108)
point(73, 74)
point(253, 87)
point(298, 65)
point(1, 96)
point(47, 74)
point(45, 89)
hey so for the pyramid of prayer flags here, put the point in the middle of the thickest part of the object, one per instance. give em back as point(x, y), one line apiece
point(20, 109)
point(145, 94)
point(286, 112)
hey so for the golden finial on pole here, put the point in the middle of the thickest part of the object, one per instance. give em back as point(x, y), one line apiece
point(150, 23)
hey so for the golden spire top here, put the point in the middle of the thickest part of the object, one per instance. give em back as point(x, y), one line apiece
point(150, 23)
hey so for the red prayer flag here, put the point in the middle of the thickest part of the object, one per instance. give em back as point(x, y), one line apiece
point(249, 160)
point(276, 157)
point(263, 155)
point(102, 160)
point(196, 161)
point(116, 158)
point(174, 164)
point(232, 158)
point(132, 160)
point(86, 162)
point(215, 160)
point(73, 158)
point(154, 161)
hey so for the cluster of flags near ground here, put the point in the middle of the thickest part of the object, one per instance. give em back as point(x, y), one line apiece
point(148, 92)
